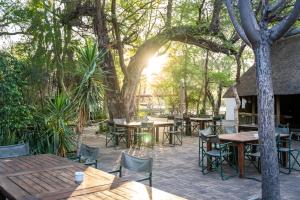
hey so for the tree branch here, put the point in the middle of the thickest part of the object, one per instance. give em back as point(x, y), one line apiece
point(169, 14)
point(282, 27)
point(279, 4)
point(240, 31)
point(118, 38)
point(249, 22)
point(13, 33)
point(291, 32)
point(215, 20)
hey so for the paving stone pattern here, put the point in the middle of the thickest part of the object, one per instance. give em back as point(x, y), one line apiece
point(176, 171)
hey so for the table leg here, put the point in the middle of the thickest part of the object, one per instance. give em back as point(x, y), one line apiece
point(284, 154)
point(188, 128)
point(117, 140)
point(201, 125)
point(171, 139)
point(157, 134)
point(128, 137)
point(208, 148)
point(241, 159)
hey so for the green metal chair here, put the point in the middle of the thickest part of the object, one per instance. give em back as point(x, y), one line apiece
point(229, 129)
point(136, 164)
point(284, 147)
point(174, 134)
point(115, 134)
point(252, 153)
point(145, 136)
point(88, 155)
point(16, 150)
point(217, 157)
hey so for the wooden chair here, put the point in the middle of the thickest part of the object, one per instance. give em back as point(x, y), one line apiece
point(14, 150)
point(136, 164)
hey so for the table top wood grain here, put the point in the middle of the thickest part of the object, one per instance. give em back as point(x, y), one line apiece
point(243, 137)
point(121, 191)
point(52, 177)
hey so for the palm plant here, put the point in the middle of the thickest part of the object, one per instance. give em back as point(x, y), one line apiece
point(60, 114)
point(89, 93)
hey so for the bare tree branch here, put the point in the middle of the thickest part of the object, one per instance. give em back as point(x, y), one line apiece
point(249, 22)
point(293, 31)
point(235, 23)
point(279, 4)
point(282, 27)
point(13, 33)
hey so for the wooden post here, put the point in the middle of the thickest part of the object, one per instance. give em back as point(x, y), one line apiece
point(253, 110)
point(277, 109)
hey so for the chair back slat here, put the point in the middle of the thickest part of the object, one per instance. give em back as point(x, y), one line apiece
point(14, 150)
point(136, 164)
point(284, 130)
point(147, 124)
point(229, 129)
point(88, 152)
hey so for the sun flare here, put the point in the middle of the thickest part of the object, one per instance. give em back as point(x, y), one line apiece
point(155, 65)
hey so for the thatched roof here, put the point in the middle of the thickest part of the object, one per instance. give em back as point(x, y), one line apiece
point(285, 69)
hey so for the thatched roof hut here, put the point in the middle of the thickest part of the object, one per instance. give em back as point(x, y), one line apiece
point(286, 84)
point(285, 69)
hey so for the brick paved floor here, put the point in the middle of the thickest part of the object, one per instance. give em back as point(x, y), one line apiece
point(176, 171)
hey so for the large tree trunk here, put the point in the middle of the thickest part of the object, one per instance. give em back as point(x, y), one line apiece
point(115, 103)
point(266, 129)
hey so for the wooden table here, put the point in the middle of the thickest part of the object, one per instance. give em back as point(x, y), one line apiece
point(125, 190)
point(133, 126)
point(198, 123)
point(27, 176)
point(52, 177)
point(241, 139)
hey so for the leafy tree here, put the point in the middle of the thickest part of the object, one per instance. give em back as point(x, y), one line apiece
point(15, 114)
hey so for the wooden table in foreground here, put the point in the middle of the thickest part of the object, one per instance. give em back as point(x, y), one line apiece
point(241, 139)
point(52, 177)
point(133, 126)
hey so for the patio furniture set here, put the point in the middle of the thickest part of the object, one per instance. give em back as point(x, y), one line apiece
point(144, 133)
point(227, 146)
point(46, 176)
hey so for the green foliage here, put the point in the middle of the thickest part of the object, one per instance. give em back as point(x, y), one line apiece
point(15, 114)
point(60, 115)
point(89, 94)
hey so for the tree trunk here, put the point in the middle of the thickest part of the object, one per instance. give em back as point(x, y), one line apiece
point(115, 103)
point(203, 110)
point(236, 108)
point(219, 99)
point(266, 129)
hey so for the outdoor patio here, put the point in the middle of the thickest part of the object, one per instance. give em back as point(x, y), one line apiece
point(176, 171)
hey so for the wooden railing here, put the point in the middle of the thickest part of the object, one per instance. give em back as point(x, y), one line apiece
point(249, 118)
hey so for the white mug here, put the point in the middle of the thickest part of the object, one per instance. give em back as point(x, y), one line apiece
point(79, 176)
